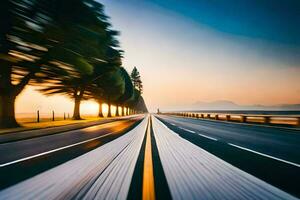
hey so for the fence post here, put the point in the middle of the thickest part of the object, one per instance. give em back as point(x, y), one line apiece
point(227, 117)
point(243, 118)
point(52, 115)
point(267, 119)
point(64, 116)
point(298, 121)
point(38, 116)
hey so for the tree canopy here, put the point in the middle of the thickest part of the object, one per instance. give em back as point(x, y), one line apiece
point(65, 47)
point(136, 80)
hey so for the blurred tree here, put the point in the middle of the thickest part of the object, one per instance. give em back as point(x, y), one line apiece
point(82, 86)
point(39, 40)
point(94, 52)
point(136, 80)
point(63, 46)
point(20, 49)
point(112, 88)
point(134, 98)
point(128, 93)
point(140, 105)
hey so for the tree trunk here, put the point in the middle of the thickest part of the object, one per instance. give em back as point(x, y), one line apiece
point(76, 113)
point(8, 94)
point(7, 111)
point(117, 111)
point(100, 113)
point(109, 110)
point(7, 97)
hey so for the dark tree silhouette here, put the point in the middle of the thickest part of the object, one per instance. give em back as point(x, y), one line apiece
point(22, 52)
point(92, 46)
point(123, 100)
point(65, 47)
point(113, 87)
point(136, 80)
point(40, 40)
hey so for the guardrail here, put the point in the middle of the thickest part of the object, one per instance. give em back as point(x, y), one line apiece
point(244, 118)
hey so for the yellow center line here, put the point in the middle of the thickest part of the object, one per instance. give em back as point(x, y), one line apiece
point(148, 177)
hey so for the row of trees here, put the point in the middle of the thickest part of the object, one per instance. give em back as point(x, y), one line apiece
point(65, 47)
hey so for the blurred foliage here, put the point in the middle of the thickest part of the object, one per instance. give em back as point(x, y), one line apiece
point(136, 80)
point(65, 47)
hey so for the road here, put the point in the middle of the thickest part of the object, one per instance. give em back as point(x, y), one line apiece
point(154, 157)
point(25, 158)
point(270, 153)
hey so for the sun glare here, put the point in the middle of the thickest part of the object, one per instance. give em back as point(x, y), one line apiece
point(104, 109)
point(89, 108)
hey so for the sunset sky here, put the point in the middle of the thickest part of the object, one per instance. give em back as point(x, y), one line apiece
point(245, 51)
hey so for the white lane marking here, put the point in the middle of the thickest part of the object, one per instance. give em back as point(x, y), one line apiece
point(51, 151)
point(173, 124)
point(187, 130)
point(262, 154)
point(208, 137)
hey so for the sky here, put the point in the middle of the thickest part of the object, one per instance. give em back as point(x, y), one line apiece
point(246, 51)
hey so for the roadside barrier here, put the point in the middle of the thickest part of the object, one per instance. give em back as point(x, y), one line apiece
point(293, 120)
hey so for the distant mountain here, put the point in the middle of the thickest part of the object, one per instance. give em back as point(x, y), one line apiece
point(289, 106)
point(229, 105)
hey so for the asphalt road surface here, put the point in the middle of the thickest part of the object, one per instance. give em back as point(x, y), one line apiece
point(269, 153)
point(25, 158)
point(159, 156)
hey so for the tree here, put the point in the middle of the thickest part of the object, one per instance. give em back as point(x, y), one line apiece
point(95, 53)
point(39, 42)
point(20, 52)
point(136, 80)
point(112, 87)
point(140, 105)
point(129, 90)
point(63, 46)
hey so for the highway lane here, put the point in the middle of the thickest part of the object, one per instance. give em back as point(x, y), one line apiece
point(278, 142)
point(111, 166)
point(33, 133)
point(25, 158)
point(103, 173)
point(193, 173)
point(269, 153)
